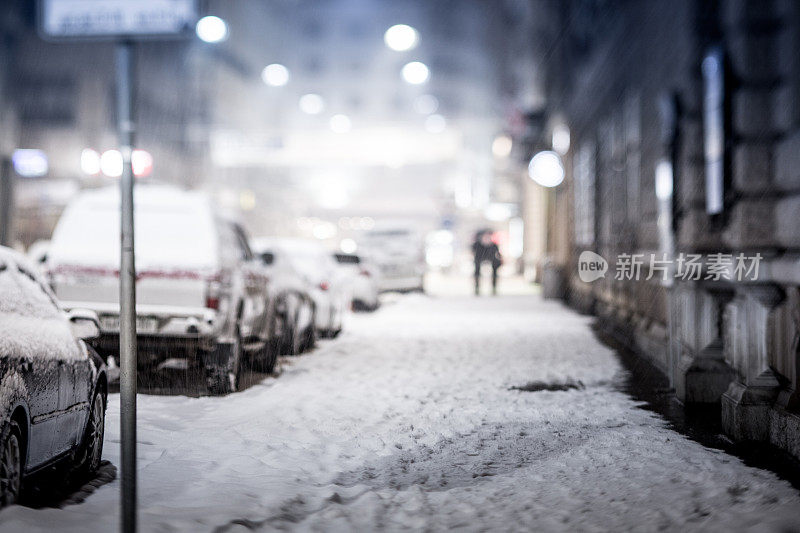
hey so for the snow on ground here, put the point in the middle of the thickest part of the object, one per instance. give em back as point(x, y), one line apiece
point(407, 421)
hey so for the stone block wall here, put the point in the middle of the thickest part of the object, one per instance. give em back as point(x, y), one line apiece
point(727, 343)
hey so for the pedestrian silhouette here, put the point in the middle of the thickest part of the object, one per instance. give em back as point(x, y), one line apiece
point(486, 251)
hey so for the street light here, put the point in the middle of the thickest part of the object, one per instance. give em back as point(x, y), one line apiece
point(416, 73)
point(401, 37)
point(211, 29)
point(561, 139)
point(312, 104)
point(275, 75)
point(340, 123)
point(426, 104)
point(546, 169)
point(502, 145)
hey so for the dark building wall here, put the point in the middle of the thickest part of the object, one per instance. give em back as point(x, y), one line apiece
point(620, 65)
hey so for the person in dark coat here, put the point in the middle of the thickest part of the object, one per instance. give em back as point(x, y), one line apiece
point(486, 251)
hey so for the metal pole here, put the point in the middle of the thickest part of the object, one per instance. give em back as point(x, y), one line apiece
point(127, 290)
point(6, 201)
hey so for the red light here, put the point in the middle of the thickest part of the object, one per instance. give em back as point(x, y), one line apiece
point(365, 272)
point(324, 285)
point(142, 163)
point(212, 303)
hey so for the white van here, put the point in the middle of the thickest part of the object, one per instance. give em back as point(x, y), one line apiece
point(200, 293)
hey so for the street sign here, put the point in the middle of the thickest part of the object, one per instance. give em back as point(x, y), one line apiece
point(114, 19)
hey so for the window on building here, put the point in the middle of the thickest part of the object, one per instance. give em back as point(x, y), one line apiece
point(584, 190)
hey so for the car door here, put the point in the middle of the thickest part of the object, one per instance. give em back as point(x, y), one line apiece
point(21, 329)
point(54, 359)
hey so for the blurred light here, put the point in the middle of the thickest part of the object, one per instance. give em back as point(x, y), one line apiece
point(111, 163)
point(516, 228)
point(247, 200)
point(344, 222)
point(305, 223)
point(401, 37)
point(348, 246)
point(324, 230)
point(561, 139)
point(439, 248)
point(501, 147)
point(415, 72)
point(340, 123)
point(664, 180)
point(211, 29)
point(435, 124)
point(275, 75)
point(426, 104)
point(545, 169)
point(498, 212)
point(90, 162)
point(312, 104)
point(29, 163)
point(367, 223)
point(142, 163)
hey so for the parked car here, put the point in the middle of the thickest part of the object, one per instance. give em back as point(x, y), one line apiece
point(201, 295)
point(52, 384)
point(323, 280)
point(294, 310)
point(400, 255)
point(364, 278)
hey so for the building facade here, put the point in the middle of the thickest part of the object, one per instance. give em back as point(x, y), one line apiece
point(685, 134)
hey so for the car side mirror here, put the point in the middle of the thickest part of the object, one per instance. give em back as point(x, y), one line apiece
point(84, 323)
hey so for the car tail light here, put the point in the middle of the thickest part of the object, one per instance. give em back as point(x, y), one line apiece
point(213, 287)
point(324, 285)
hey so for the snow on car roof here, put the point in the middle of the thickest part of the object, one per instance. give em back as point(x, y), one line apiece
point(174, 229)
point(31, 324)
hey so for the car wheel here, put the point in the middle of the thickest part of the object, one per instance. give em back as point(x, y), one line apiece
point(293, 344)
point(95, 432)
point(222, 376)
point(310, 338)
point(10, 465)
point(264, 360)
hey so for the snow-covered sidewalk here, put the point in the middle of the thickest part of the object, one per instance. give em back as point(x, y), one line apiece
point(409, 421)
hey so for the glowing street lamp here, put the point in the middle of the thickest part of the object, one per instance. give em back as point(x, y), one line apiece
point(340, 123)
point(426, 104)
point(401, 37)
point(275, 75)
point(502, 145)
point(416, 73)
point(211, 29)
point(546, 169)
point(312, 104)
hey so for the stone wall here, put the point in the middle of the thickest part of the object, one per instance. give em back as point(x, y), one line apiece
point(721, 342)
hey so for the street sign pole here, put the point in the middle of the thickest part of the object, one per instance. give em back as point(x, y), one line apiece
point(122, 22)
point(127, 289)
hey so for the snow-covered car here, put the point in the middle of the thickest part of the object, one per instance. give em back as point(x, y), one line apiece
point(52, 384)
point(201, 295)
point(293, 315)
point(323, 280)
point(400, 255)
point(37, 253)
point(364, 278)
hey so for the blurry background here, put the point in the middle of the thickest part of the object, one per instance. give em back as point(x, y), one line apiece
point(307, 118)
